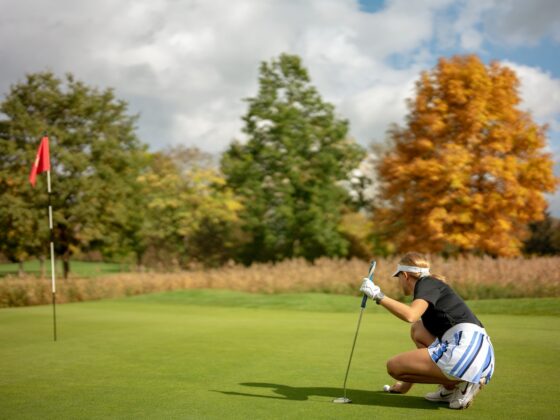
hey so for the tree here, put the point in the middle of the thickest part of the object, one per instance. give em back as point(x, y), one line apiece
point(544, 237)
point(190, 214)
point(95, 158)
point(287, 172)
point(23, 225)
point(468, 172)
point(18, 218)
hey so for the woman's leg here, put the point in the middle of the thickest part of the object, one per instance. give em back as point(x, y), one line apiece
point(420, 335)
point(417, 366)
point(422, 338)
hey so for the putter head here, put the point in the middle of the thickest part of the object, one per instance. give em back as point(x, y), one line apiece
point(342, 400)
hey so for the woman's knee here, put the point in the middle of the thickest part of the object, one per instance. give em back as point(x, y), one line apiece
point(393, 367)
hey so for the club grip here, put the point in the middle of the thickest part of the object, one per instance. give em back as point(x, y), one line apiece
point(364, 301)
point(370, 275)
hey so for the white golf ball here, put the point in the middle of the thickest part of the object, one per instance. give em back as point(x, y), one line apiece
point(386, 388)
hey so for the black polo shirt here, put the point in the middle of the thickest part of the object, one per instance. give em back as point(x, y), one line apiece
point(445, 308)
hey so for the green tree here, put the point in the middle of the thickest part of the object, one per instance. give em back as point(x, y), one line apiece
point(544, 237)
point(288, 171)
point(190, 214)
point(23, 224)
point(95, 158)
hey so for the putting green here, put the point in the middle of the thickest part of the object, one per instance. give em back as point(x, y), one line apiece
point(165, 356)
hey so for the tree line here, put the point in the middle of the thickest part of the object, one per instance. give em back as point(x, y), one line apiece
point(466, 173)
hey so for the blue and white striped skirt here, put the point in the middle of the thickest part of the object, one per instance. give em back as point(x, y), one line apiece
point(464, 352)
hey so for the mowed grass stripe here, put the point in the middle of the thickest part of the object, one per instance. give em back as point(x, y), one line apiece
point(332, 303)
point(144, 358)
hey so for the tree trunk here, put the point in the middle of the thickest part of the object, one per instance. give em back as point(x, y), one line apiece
point(42, 266)
point(65, 266)
point(20, 268)
point(139, 266)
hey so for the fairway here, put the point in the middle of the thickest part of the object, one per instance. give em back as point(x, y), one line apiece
point(78, 268)
point(217, 354)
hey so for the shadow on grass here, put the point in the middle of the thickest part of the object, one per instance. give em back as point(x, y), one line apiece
point(358, 397)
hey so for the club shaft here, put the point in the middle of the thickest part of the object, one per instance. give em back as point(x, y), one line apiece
point(352, 351)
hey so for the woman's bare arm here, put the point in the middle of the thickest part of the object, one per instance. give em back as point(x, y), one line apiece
point(405, 312)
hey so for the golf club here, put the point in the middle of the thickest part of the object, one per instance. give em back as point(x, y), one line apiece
point(344, 399)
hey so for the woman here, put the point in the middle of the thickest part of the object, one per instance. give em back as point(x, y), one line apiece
point(453, 348)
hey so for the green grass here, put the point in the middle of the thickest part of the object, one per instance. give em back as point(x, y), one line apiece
point(217, 354)
point(329, 303)
point(77, 268)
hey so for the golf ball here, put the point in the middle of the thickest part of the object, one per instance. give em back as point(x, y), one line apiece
point(386, 388)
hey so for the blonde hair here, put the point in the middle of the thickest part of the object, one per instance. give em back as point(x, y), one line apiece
point(418, 260)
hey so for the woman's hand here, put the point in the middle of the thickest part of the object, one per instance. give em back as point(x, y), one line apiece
point(370, 289)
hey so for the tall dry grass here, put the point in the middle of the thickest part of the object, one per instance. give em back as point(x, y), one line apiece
point(471, 277)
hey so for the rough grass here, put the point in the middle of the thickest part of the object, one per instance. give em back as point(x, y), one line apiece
point(472, 278)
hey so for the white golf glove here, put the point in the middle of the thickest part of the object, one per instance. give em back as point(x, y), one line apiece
point(370, 289)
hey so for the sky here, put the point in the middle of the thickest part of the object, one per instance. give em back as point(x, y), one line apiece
point(185, 66)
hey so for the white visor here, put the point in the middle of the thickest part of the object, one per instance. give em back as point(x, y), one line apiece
point(412, 269)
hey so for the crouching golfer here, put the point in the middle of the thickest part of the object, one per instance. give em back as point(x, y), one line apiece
point(454, 349)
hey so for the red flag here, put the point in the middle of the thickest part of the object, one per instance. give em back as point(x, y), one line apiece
point(42, 161)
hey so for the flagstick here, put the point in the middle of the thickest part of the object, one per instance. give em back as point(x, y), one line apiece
point(52, 255)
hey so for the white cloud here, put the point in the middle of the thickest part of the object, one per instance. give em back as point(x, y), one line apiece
point(467, 24)
point(471, 40)
point(479, 23)
point(540, 94)
point(186, 66)
point(372, 110)
point(521, 22)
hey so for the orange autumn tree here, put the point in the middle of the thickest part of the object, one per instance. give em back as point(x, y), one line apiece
point(468, 171)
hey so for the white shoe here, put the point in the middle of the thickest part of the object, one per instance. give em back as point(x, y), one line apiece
point(440, 395)
point(463, 395)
